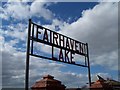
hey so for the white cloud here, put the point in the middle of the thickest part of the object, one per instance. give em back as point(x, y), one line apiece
point(3, 14)
point(13, 69)
point(108, 0)
point(111, 59)
point(38, 9)
point(1, 46)
point(56, 22)
point(13, 66)
point(20, 0)
point(18, 31)
point(20, 10)
point(16, 10)
point(99, 28)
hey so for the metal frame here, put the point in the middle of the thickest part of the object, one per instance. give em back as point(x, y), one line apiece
point(29, 51)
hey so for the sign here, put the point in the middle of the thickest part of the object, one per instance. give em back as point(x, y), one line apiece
point(67, 47)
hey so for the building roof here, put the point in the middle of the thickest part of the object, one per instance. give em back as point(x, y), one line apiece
point(102, 83)
point(48, 81)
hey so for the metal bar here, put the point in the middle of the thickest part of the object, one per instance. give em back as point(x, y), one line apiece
point(89, 74)
point(41, 41)
point(27, 57)
point(32, 40)
point(57, 60)
point(52, 51)
point(85, 50)
point(53, 45)
point(57, 33)
point(85, 60)
point(36, 32)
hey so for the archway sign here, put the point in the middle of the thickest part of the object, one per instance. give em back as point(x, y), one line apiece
point(69, 46)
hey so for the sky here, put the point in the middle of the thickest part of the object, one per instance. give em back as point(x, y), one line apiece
point(93, 22)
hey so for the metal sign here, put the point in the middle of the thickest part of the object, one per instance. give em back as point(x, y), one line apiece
point(67, 48)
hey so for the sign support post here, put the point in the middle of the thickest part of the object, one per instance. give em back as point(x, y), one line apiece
point(27, 57)
point(71, 46)
point(89, 74)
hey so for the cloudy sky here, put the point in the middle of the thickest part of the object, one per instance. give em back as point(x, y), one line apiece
point(93, 22)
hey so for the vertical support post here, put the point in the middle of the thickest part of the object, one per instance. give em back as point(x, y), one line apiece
point(52, 52)
point(89, 74)
point(37, 33)
point(27, 57)
point(32, 38)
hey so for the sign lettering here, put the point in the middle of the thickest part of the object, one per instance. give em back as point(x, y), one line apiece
point(68, 47)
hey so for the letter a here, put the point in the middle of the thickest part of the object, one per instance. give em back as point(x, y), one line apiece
point(45, 37)
point(61, 55)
